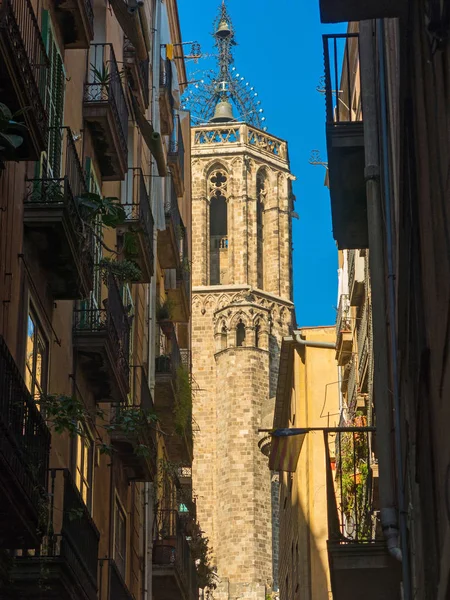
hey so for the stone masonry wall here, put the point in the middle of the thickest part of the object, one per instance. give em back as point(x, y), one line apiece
point(235, 387)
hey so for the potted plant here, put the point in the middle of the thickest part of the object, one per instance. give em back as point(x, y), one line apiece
point(164, 317)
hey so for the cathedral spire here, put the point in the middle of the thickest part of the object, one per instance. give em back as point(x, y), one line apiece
point(223, 90)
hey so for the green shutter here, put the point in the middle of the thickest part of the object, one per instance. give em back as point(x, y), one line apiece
point(54, 102)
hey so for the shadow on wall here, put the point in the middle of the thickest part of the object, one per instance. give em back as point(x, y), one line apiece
point(303, 560)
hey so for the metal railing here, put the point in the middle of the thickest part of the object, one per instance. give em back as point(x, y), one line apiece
point(352, 516)
point(62, 188)
point(169, 363)
point(71, 533)
point(112, 580)
point(165, 78)
point(342, 84)
point(137, 205)
point(351, 388)
point(24, 436)
point(19, 23)
point(171, 548)
point(362, 336)
point(143, 67)
point(172, 213)
point(351, 255)
point(104, 85)
point(114, 320)
point(343, 320)
point(176, 145)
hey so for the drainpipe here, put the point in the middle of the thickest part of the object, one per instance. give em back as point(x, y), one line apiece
point(407, 593)
point(381, 373)
point(310, 343)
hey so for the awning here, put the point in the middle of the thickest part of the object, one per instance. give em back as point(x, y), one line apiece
point(152, 138)
point(131, 25)
point(285, 449)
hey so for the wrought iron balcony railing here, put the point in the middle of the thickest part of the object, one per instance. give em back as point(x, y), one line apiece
point(141, 71)
point(176, 156)
point(343, 321)
point(51, 207)
point(25, 66)
point(24, 448)
point(69, 550)
point(103, 88)
point(112, 321)
point(139, 217)
point(352, 515)
point(342, 80)
point(171, 549)
point(173, 216)
point(167, 364)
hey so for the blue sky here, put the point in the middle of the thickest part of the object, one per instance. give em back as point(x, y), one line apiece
point(279, 52)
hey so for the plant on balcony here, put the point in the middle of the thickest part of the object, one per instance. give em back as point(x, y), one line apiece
point(11, 132)
point(354, 483)
point(183, 401)
point(164, 315)
point(125, 271)
point(186, 265)
point(201, 554)
point(67, 414)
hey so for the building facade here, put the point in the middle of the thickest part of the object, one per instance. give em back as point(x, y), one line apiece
point(241, 307)
point(399, 148)
point(94, 176)
point(307, 396)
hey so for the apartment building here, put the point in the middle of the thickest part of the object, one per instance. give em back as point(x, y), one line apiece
point(95, 240)
point(307, 396)
point(387, 173)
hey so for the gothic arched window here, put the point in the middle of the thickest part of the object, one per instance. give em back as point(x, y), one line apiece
point(261, 190)
point(218, 225)
point(240, 333)
point(257, 333)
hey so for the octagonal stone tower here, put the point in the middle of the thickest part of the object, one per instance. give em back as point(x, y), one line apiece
point(241, 273)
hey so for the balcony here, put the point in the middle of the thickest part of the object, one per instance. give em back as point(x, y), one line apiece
point(240, 137)
point(105, 111)
point(351, 388)
point(171, 238)
point(139, 246)
point(363, 345)
point(344, 336)
point(65, 565)
point(76, 22)
point(174, 572)
point(24, 69)
point(101, 337)
point(53, 224)
point(356, 277)
point(360, 565)
point(137, 451)
point(335, 11)
point(178, 289)
point(112, 581)
point(176, 157)
point(179, 443)
point(165, 96)
point(345, 141)
point(24, 455)
point(138, 73)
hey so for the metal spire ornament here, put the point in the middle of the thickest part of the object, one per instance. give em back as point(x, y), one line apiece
point(222, 94)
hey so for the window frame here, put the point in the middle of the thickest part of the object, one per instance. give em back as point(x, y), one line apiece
point(82, 480)
point(120, 558)
point(41, 335)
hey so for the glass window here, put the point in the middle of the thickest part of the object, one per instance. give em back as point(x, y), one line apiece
point(120, 540)
point(36, 361)
point(84, 465)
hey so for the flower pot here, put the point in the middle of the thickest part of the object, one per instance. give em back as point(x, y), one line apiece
point(166, 326)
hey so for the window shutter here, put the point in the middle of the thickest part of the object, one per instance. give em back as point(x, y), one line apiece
point(54, 102)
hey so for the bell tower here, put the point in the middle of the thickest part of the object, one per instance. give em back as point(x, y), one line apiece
point(241, 273)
